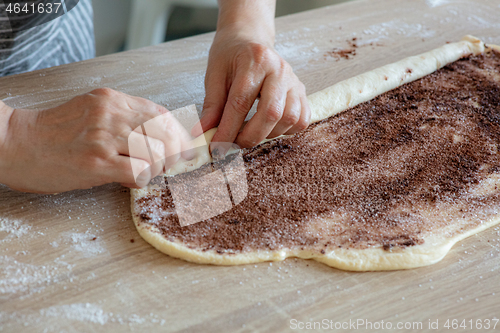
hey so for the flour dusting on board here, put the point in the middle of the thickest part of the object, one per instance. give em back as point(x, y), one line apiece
point(297, 47)
point(61, 317)
point(24, 276)
point(86, 243)
point(383, 30)
point(84, 312)
point(19, 277)
point(13, 228)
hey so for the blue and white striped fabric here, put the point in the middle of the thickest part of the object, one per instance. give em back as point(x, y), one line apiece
point(66, 39)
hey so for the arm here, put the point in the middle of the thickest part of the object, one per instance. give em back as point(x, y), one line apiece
point(243, 66)
point(88, 141)
point(252, 20)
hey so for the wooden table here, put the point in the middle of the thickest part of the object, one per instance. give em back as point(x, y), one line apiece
point(74, 262)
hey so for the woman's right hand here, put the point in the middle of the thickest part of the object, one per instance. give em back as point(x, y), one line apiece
point(91, 140)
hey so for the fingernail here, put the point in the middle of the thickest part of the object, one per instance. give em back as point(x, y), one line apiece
point(218, 151)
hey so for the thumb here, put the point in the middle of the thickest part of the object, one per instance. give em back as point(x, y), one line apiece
point(213, 105)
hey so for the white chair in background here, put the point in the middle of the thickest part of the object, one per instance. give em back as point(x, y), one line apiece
point(149, 19)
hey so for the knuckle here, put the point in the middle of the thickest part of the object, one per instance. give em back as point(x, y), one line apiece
point(155, 109)
point(259, 52)
point(291, 118)
point(104, 92)
point(240, 104)
point(274, 112)
point(285, 66)
point(284, 70)
point(168, 125)
point(209, 105)
point(302, 124)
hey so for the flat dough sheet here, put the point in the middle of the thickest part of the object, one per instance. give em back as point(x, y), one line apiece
point(324, 104)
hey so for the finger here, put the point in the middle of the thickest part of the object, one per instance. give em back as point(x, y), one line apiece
point(160, 124)
point(242, 95)
point(269, 113)
point(187, 149)
point(174, 136)
point(147, 108)
point(305, 117)
point(291, 115)
point(121, 171)
point(148, 149)
point(213, 105)
point(141, 110)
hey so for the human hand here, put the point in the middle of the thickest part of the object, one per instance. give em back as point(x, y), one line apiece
point(86, 142)
point(243, 66)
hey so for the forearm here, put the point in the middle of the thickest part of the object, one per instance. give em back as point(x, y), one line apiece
point(253, 18)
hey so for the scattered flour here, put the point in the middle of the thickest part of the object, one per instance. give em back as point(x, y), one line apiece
point(84, 312)
point(13, 228)
point(18, 277)
point(81, 312)
point(399, 27)
point(87, 243)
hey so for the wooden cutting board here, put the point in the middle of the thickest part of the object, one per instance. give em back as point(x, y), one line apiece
point(74, 262)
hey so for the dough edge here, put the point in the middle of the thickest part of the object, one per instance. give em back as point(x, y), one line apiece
point(371, 259)
point(326, 103)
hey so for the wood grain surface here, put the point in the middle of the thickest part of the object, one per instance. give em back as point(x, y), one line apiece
point(73, 262)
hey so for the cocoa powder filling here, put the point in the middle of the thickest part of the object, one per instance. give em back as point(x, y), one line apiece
point(384, 173)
